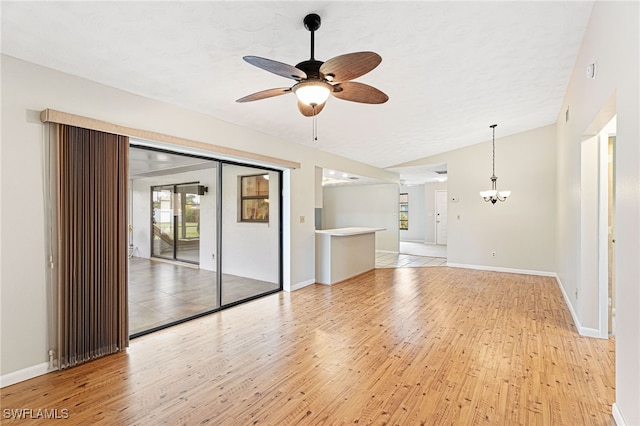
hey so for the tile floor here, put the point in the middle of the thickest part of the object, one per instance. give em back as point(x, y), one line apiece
point(413, 255)
point(398, 260)
point(161, 292)
point(421, 249)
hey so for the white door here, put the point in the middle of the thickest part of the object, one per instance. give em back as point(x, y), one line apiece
point(441, 217)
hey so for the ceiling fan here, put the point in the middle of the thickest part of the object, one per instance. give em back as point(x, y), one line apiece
point(316, 80)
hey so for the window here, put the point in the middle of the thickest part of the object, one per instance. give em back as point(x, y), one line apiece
point(254, 198)
point(404, 211)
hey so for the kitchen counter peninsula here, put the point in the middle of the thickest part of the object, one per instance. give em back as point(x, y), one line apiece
point(343, 253)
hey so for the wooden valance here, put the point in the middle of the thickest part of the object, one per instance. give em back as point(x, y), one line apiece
point(53, 116)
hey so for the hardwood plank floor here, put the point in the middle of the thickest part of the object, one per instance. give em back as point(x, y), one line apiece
point(404, 346)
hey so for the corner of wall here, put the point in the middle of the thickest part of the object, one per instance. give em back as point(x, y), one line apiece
point(583, 331)
point(300, 285)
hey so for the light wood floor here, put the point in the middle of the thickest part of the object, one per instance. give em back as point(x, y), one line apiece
point(408, 346)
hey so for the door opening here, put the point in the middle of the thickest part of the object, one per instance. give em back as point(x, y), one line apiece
point(596, 289)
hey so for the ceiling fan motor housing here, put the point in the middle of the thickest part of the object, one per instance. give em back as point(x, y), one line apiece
point(311, 68)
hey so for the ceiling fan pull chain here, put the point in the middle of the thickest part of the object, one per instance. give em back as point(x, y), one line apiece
point(315, 124)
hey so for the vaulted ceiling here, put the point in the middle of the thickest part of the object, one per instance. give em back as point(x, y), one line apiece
point(450, 69)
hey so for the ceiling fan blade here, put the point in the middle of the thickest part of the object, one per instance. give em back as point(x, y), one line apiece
point(308, 110)
point(279, 68)
point(350, 66)
point(269, 93)
point(359, 92)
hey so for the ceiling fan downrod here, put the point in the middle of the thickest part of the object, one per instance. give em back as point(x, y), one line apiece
point(312, 23)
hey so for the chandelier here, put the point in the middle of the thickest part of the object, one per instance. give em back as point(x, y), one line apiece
point(493, 194)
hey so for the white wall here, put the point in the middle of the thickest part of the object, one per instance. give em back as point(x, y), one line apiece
point(28, 89)
point(430, 209)
point(374, 206)
point(141, 209)
point(611, 39)
point(417, 214)
point(520, 230)
point(587, 298)
point(249, 249)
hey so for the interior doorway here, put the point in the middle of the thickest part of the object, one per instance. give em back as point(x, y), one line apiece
point(596, 292)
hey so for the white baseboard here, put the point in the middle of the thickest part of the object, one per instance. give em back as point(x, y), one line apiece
point(617, 415)
point(567, 302)
point(499, 269)
point(300, 285)
point(583, 331)
point(388, 251)
point(24, 374)
point(589, 332)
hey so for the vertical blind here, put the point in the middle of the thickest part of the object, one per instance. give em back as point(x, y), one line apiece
point(92, 244)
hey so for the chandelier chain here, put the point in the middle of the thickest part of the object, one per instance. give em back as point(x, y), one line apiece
point(494, 148)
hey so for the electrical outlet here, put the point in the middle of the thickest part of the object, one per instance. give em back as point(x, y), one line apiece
point(493, 253)
point(301, 219)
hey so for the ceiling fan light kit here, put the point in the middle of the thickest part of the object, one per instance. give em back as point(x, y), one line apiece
point(316, 80)
point(312, 93)
point(493, 195)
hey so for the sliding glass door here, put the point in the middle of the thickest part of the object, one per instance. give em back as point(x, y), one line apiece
point(188, 222)
point(162, 244)
point(212, 232)
point(176, 221)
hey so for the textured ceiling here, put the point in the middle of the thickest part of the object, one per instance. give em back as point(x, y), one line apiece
point(145, 163)
point(450, 68)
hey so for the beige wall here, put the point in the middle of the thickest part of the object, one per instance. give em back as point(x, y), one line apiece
point(372, 206)
point(611, 40)
point(521, 230)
